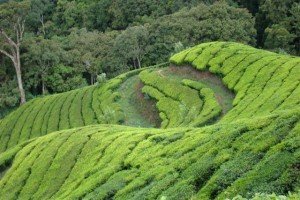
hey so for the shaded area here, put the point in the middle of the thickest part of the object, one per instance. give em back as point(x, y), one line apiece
point(186, 96)
point(223, 95)
point(138, 110)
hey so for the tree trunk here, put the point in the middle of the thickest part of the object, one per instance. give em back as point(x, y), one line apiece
point(139, 62)
point(133, 60)
point(20, 85)
point(43, 87)
point(17, 64)
point(92, 79)
point(43, 25)
point(14, 53)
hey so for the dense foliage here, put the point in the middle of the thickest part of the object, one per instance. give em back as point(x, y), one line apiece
point(253, 148)
point(186, 103)
point(228, 113)
point(90, 105)
point(68, 43)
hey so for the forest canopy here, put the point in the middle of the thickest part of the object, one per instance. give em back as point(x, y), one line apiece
point(65, 44)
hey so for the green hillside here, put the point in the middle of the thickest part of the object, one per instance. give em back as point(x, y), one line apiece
point(217, 161)
point(227, 123)
point(90, 105)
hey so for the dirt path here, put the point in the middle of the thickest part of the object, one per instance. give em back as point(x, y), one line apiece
point(138, 111)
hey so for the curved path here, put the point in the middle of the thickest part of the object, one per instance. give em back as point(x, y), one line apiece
point(138, 111)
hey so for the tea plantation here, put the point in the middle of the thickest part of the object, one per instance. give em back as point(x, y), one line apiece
point(228, 125)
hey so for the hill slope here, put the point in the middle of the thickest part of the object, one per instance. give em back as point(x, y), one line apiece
point(251, 146)
point(119, 162)
point(263, 81)
point(90, 105)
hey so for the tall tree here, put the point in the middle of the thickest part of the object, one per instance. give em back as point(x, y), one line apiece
point(202, 23)
point(278, 25)
point(38, 20)
point(42, 55)
point(12, 27)
point(295, 25)
point(69, 14)
point(131, 44)
point(90, 49)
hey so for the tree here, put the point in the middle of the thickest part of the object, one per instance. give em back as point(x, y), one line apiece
point(69, 14)
point(122, 13)
point(40, 15)
point(64, 78)
point(279, 38)
point(12, 27)
point(278, 25)
point(98, 15)
point(131, 44)
point(8, 94)
point(42, 55)
point(91, 50)
point(295, 25)
point(202, 23)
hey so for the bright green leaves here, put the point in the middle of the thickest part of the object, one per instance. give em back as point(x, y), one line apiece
point(262, 81)
point(186, 103)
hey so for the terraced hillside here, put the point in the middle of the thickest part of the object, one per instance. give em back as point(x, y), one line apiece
point(211, 144)
point(90, 105)
point(262, 81)
point(185, 103)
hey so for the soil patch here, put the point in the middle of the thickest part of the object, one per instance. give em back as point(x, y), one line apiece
point(223, 95)
point(147, 106)
point(138, 110)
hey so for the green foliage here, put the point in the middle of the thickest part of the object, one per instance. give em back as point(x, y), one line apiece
point(43, 55)
point(9, 94)
point(11, 13)
point(202, 23)
point(39, 17)
point(253, 148)
point(64, 78)
point(86, 31)
point(278, 25)
point(119, 14)
point(101, 78)
point(259, 196)
point(279, 38)
point(131, 45)
point(180, 104)
point(257, 77)
point(86, 106)
point(219, 161)
point(82, 35)
point(90, 50)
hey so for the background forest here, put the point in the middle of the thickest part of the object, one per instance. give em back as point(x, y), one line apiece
point(66, 44)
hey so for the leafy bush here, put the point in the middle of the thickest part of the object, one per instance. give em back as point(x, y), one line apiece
point(253, 150)
point(183, 103)
point(101, 78)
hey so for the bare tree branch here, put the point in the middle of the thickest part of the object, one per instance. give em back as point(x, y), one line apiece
point(17, 33)
point(19, 28)
point(8, 39)
point(22, 29)
point(7, 54)
point(11, 48)
point(43, 25)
